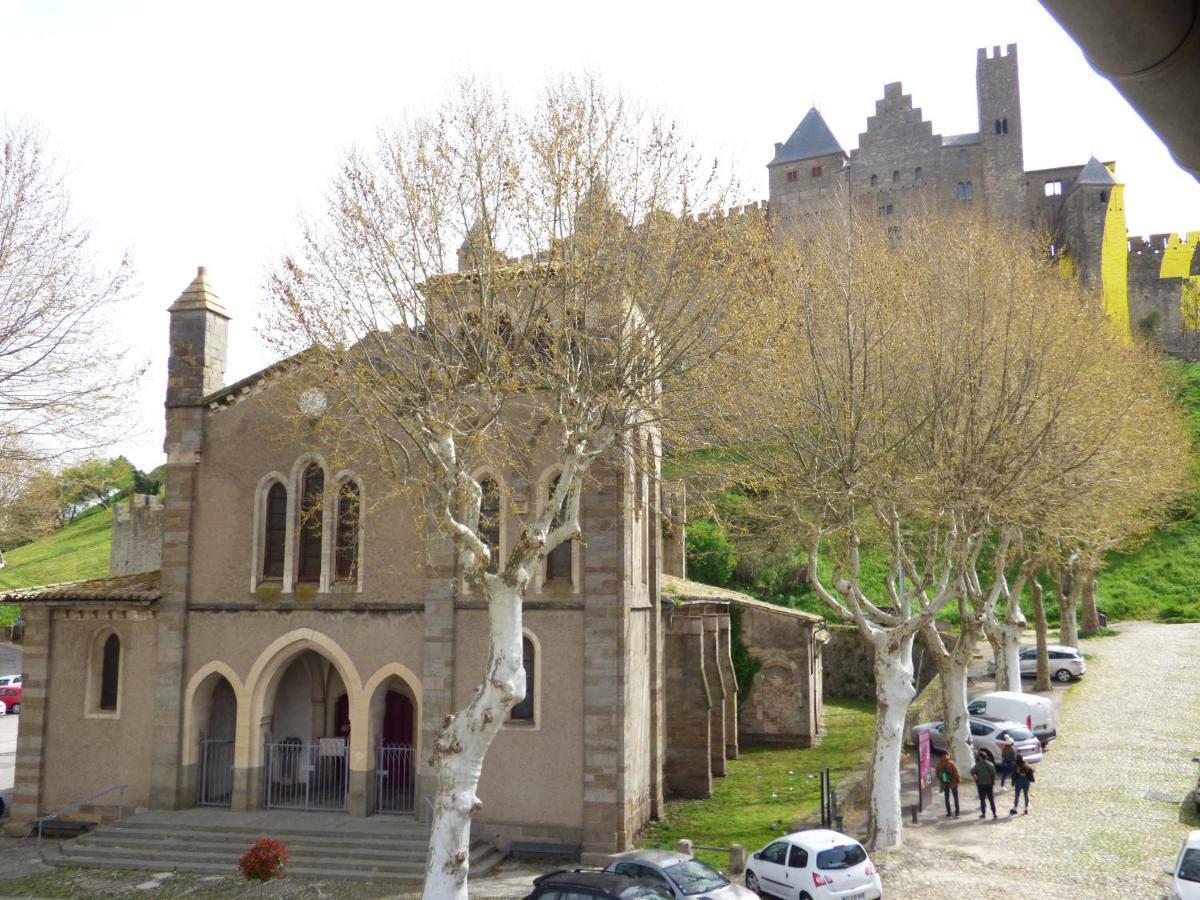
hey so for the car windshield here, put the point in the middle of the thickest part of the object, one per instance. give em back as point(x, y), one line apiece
point(842, 857)
point(694, 877)
point(1019, 734)
point(1189, 866)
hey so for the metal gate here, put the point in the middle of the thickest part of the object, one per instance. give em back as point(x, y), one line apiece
point(216, 772)
point(395, 786)
point(307, 775)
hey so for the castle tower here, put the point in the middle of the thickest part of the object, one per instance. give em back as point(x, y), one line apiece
point(195, 368)
point(1093, 226)
point(999, 98)
point(807, 169)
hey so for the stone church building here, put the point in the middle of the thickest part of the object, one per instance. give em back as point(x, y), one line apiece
point(278, 633)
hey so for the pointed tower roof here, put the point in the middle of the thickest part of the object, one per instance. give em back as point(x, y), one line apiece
point(198, 295)
point(1095, 172)
point(812, 137)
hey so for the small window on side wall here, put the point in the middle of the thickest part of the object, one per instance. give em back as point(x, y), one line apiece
point(110, 674)
point(816, 172)
point(792, 175)
point(523, 711)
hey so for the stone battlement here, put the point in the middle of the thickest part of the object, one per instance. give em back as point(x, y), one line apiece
point(996, 52)
point(1156, 244)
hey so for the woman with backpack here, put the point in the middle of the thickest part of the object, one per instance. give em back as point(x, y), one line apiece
point(1022, 779)
point(946, 773)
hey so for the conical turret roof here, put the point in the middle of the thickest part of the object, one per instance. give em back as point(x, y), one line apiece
point(812, 137)
point(1095, 172)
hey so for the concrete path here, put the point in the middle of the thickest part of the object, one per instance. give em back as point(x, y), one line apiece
point(1107, 805)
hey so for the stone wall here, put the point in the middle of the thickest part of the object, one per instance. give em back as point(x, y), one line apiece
point(136, 536)
point(849, 665)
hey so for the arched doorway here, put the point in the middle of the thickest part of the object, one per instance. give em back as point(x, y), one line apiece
point(306, 754)
point(214, 709)
point(393, 726)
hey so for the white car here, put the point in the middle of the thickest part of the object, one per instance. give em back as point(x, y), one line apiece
point(986, 735)
point(6, 680)
point(1036, 712)
point(1186, 885)
point(680, 874)
point(1066, 663)
point(819, 865)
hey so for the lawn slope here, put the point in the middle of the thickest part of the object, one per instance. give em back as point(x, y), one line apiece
point(76, 552)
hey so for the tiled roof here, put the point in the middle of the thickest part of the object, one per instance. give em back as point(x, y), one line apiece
point(811, 138)
point(140, 589)
point(685, 591)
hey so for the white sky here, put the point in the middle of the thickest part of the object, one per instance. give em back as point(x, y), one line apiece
point(194, 133)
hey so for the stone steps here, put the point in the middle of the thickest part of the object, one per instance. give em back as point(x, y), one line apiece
point(392, 851)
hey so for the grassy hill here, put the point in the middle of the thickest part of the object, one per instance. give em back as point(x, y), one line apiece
point(76, 552)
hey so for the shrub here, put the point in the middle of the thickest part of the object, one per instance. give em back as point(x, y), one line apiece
point(267, 859)
point(711, 558)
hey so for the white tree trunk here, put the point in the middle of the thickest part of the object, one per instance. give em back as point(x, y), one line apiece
point(954, 709)
point(894, 691)
point(1068, 629)
point(1005, 638)
point(460, 748)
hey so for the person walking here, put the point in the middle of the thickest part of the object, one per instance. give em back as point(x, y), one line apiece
point(946, 773)
point(1022, 779)
point(984, 774)
point(1008, 759)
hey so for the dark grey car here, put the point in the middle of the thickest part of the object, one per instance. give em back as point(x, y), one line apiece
point(683, 875)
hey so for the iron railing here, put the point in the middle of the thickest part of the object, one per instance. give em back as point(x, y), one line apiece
point(313, 775)
point(216, 773)
point(76, 804)
point(395, 786)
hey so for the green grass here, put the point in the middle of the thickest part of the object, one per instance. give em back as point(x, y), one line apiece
point(767, 789)
point(76, 552)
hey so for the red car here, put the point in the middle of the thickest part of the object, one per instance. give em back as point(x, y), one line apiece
point(10, 699)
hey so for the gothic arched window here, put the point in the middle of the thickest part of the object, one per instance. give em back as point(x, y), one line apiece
point(523, 711)
point(489, 519)
point(345, 565)
point(312, 494)
point(274, 531)
point(558, 563)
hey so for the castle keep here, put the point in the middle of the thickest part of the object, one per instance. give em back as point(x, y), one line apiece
point(901, 167)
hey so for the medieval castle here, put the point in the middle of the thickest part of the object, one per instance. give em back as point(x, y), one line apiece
point(1148, 284)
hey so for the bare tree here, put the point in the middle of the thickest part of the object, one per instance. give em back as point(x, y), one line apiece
point(65, 377)
point(586, 288)
point(917, 391)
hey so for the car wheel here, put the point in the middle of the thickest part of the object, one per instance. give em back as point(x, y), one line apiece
point(804, 896)
point(16, 709)
point(751, 881)
point(1062, 676)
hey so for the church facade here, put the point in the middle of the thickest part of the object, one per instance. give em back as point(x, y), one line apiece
point(294, 658)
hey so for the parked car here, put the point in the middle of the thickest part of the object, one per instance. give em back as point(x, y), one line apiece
point(1186, 885)
point(10, 699)
point(1066, 663)
point(819, 864)
point(594, 885)
point(9, 679)
point(682, 875)
point(1036, 712)
point(986, 735)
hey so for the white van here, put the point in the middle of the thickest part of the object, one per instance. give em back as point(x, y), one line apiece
point(1034, 712)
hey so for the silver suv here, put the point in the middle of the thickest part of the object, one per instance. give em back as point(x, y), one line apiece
point(1066, 663)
